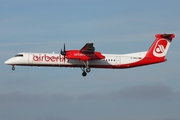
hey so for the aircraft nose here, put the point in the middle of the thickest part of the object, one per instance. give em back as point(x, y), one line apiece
point(9, 61)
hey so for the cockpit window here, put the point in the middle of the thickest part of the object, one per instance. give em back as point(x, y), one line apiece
point(19, 55)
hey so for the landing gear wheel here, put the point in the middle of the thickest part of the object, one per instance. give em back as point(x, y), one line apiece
point(84, 74)
point(88, 70)
point(13, 68)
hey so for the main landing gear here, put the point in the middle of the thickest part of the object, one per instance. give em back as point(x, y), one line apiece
point(86, 69)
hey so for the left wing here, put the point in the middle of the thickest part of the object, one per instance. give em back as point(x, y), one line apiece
point(88, 48)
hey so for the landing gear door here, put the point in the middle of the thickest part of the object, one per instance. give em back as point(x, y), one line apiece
point(30, 58)
point(118, 61)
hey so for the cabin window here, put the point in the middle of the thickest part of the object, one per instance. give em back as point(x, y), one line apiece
point(19, 55)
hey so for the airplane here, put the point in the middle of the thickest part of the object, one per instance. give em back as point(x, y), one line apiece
point(87, 58)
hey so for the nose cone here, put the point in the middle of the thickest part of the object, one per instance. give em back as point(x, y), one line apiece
point(9, 62)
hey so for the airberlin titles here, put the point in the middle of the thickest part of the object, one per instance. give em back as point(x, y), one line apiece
point(48, 58)
point(54, 58)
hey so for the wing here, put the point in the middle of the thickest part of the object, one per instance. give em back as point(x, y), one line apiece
point(88, 48)
point(86, 53)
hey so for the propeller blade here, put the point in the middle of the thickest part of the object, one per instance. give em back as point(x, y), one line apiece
point(61, 52)
point(64, 48)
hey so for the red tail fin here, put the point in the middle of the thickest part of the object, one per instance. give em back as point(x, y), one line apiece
point(159, 48)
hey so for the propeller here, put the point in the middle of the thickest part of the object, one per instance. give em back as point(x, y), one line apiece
point(64, 52)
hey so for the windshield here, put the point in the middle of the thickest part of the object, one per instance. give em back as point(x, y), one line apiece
point(19, 55)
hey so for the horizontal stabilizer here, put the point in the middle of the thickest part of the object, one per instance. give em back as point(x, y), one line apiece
point(166, 36)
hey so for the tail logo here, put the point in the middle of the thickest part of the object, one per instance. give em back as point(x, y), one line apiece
point(161, 48)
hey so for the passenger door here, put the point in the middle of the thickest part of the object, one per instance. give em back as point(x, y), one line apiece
point(118, 61)
point(30, 58)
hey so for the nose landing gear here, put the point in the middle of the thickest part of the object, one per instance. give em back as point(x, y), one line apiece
point(13, 68)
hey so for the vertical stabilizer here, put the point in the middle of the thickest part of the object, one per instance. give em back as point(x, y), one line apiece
point(159, 48)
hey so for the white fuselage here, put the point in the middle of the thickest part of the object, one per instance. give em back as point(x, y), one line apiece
point(46, 59)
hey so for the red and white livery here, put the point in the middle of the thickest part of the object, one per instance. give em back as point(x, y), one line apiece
point(87, 58)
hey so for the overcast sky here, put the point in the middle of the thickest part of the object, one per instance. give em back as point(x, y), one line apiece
point(114, 26)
